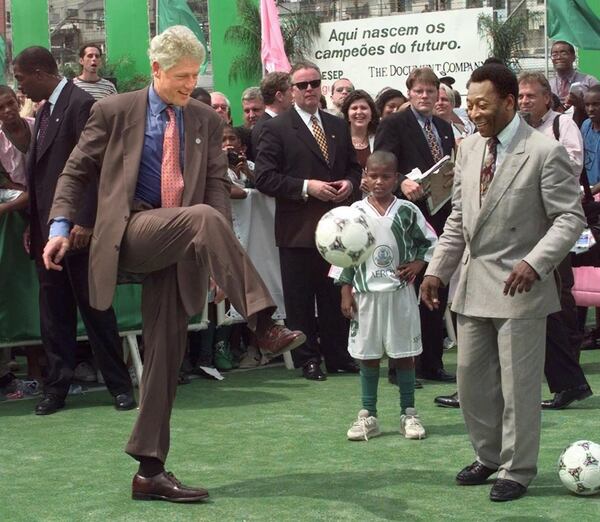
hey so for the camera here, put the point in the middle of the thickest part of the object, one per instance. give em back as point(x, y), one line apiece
point(233, 158)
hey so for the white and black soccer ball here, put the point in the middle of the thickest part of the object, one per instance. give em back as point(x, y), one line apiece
point(344, 236)
point(579, 467)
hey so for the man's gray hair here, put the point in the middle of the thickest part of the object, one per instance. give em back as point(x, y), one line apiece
point(217, 93)
point(252, 93)
point(173, 44)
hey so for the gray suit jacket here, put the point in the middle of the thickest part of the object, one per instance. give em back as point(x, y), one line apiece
point(532, 212)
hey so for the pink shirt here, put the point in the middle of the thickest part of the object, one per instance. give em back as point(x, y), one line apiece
point(12, 159)
point(569, 137)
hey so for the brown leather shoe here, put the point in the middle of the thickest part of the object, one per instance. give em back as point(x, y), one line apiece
point(164, 486)
point(278, 339)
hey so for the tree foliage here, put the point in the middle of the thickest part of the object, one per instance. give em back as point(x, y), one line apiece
point(507, 38)
point(297, 29)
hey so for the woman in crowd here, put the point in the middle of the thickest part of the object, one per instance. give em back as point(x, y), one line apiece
point(389, 101)
point(444, 108)
point(361, 114)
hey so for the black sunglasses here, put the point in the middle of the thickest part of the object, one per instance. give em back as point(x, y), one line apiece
point(303, 85)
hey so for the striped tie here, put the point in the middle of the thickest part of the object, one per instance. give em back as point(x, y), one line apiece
point(319, 136)
point(171, 178)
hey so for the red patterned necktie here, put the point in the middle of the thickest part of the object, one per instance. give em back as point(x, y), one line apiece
point(320, 137)
point(171, 178)
point(436, 152)
point(489, 166)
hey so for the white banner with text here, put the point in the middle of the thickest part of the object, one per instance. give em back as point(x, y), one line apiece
point(381, 52)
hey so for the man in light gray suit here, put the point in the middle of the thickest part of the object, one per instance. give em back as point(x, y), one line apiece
point(515, 215)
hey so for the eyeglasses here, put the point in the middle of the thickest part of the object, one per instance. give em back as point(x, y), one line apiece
point(344, 89)
point(303, 85)
point(556, 54)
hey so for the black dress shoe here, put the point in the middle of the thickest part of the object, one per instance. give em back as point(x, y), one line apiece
point(505, 489)
point(564, 398)
point(125, 401)
point(447, 401)
point(350, 367)
point(49, 404)
point(165, 486)
point(312, 371)
point(437, 375)
point(474, 474)
point(392, 379)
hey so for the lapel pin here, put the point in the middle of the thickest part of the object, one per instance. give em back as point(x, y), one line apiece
point(198, 140)
point(57, 119)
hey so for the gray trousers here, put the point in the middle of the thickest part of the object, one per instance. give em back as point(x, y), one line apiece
point(500, 369)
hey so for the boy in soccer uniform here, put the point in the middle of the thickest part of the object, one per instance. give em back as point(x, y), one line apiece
point(379, 299)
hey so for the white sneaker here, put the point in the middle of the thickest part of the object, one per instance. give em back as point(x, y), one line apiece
point(251, 358)
point(364, 427)
point(410, 425)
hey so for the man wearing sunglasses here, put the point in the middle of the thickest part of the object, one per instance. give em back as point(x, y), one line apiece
point(305, 160)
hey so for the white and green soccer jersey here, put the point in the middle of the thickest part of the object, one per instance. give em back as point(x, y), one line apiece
point(401, 236)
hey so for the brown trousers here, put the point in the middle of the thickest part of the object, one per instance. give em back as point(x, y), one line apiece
point(155, 241)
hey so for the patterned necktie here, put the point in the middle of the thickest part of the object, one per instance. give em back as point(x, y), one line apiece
point(171, 178)
point(319, 136)
point(563, 93)
point(43, 127)
point(435, 149)
point(489, 166)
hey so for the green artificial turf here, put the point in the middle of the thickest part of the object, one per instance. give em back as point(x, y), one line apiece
point(271, 446)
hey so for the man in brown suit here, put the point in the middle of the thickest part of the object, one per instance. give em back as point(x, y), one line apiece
point(163, 214)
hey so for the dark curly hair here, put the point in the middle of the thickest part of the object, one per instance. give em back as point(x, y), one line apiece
point(353, 97)
point(386, 96)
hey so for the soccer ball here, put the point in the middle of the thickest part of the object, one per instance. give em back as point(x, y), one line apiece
point(344, 236)
point(579, 467)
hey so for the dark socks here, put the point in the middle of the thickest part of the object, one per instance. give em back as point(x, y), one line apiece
point(406, 383)
point(150, 466)
point(369, 380)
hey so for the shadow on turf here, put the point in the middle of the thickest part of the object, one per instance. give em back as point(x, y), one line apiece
point(350, 487)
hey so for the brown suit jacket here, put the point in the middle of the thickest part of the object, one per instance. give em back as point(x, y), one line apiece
point(110, 149)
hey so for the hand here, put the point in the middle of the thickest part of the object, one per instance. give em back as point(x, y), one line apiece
point(321, 190)
point(521, 279)
point(349, 307)
point(3, 208)
point(344, 189)
point(429, 292)
point(412, 190)
point(573, 100)
point(27, 240)
point(219, 295)
point(80, 237)
point(448, 178)
point(408, 271)
point(364, 184)
point(54, 252)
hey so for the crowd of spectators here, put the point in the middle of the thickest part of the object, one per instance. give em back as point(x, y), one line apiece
point(373, 124)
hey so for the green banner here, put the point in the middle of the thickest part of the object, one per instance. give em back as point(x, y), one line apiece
point(127, 40)
point(178, 12)
point(589, 61)
point(29, 21)
point(19, 311)
point(222, 14)
point(575, 22)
